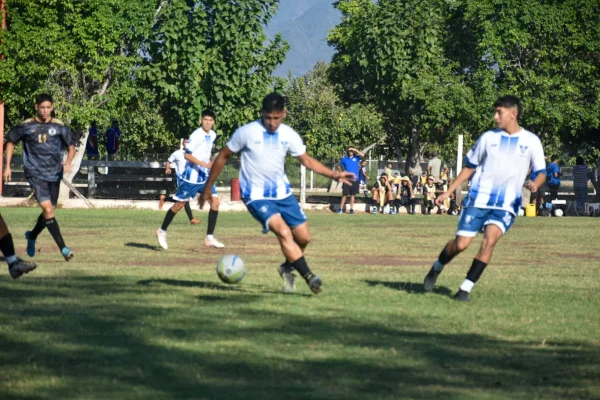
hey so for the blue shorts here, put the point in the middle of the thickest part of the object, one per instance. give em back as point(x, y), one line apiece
point(289, 209)
point(472, 220)
point(188, 190)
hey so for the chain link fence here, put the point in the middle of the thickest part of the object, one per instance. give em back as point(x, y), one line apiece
point(136, 180)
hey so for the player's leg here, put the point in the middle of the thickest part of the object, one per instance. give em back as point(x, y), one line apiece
point(496, 225)
point(188, 212)
point(470, 223)
point(184, 192)
point(16, 266)
point(32, 235)
point(343, 202)
point(47, 197)
point(375, 200)
point(354, 191)
point(213, 213)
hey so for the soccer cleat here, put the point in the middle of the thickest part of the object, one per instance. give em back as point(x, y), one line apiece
point(374, 210)
point(20, 267)
point(288, 276)
point(162, 238)
point(213, 243)
point(461, 295)
point(161, 202)
point(340, 211)
point(67, 254)
point(314, 284)
point(194, 221)
point(351, 211)
point(430, 279)
point(392, 212)
point(30, 244)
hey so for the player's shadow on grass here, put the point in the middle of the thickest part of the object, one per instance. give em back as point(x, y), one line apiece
point(196, 284)
point(143, 246)
point(411, 287)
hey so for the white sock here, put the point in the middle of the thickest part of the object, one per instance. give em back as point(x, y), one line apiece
point(467, 285)
point(210, 237)
point(161, 231)
point(438, 266)
point(10, 259)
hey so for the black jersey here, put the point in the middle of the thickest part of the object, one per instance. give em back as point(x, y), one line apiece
point(43, 147)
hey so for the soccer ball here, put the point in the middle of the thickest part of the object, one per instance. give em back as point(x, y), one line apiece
point(231, 269)
point(558, 212)
point(521, 212)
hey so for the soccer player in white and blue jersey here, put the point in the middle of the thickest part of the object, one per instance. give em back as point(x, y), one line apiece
point(193, 180)
point(265, 188)
point(497, 165)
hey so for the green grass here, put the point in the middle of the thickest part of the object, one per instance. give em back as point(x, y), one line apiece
point(127, 320)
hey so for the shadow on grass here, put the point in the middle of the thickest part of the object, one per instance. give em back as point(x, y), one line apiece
point(411, 287)
point(144, 246)
point(134, 345)
point(196, 284)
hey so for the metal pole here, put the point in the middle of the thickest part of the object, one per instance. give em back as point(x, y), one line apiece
point(459, 154)
point(3, 11)
point(302, 185)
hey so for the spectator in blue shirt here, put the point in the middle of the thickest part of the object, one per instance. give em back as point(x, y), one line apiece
point(112, 136)
point(553, 177)
point(92, 142)
point(350, 163)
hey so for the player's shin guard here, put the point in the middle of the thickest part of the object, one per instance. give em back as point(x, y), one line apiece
point(212, 221)
point(8, 248)
point(168, 219)
point(473, 275)
point(301, 266)
point(188, 211)
point(54, 230)
point(40, 225)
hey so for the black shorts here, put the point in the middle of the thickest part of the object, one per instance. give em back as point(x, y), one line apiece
point(44, 190)
point(350, 189)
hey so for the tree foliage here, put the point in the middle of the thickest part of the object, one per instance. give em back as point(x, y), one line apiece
point(393, 55)
point(327, 125)
point(211, 54)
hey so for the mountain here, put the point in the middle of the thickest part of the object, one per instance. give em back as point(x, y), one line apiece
point(304, 24)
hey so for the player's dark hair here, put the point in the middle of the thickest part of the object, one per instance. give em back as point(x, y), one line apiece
point(579, 160)
point(40, 98)
point(208, 113)
point(509, 102)
point(554, 158)
point(273, 102)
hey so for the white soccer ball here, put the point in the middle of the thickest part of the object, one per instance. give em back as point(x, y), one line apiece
point(231, 269)
point(521, 212)
point(558, 212)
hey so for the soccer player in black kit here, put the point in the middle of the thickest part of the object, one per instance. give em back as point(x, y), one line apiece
point(45, 140)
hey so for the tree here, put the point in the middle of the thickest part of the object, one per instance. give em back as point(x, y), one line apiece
point(548, 54)
point(326, 124)
point(81, 51)
point(393, 55)
point(211, 54)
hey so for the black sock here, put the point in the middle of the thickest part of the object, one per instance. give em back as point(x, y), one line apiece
point(40, 225)
point(54, 230)
point(170, 199)
point(6, 245)
point(301, 266)
point(168, 218)
point(444, 258)
point(212, 221)
point(188, 210)
point(476, 270)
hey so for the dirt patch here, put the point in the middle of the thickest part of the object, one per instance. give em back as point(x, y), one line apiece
point(582, 256)
point(381, 260)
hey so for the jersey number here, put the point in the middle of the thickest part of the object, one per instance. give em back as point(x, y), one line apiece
point(42, 138)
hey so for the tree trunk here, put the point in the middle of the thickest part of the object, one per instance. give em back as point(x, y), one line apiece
point(413, 158)
point(79, 153)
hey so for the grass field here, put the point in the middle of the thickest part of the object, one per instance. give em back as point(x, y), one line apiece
point(127, 320)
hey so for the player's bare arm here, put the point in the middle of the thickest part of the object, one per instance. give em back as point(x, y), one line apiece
point(465, 174)
point(168, 168)
point(537, 183)
point(357, 152)
point(215, 171)
point(194, 160)
point(10, 148)
point(68, 167)
point(316, 166)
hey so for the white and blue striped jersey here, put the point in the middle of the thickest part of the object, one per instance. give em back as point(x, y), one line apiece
point(262, 170)
point(177, 160)
point(200, 146)
point(502, 162)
